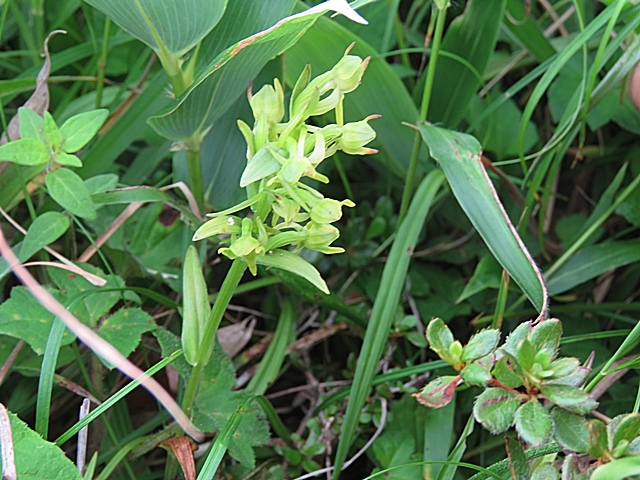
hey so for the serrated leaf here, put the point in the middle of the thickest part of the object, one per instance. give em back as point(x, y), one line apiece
point(45, 229)
point(31, 124)
point(25, 151)
point(196, 307)
point(124, 329)
point(515, 337)
point(68, 189)
point(23, 317)
point(163, 24)
point(68, 160)
point(440, 340)
point(533, 423)
point(291, 262)
point(260, 166)
point(525, 354)
point(439, 392)
point(481, 344)
point(459, 156)
point(495, 409)
point(569, 398)
point(37, 459)
point(546, 336)
point(504, 373)
point(80, 129)
point(571, 431)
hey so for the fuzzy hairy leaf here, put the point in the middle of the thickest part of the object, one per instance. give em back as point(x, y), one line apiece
point(439, 392)
point(480, 345)
point(533, 423)
point(495, 409)
point(571, 431)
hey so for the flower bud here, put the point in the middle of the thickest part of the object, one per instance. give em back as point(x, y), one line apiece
point(356, 135)
point(224, 224)
point(329, 210)
point(246, 247)
point(348, 72)
point(320, 236)
point(268, 103)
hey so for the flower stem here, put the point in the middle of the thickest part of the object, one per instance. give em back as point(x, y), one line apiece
point(424, 110)
point(231, 281)
point(194, 167)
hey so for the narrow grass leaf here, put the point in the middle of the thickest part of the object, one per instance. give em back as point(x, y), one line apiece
point(391, 285)
point(459, 156)
point(449, 469)
point(45, 381)
point(592, 261)
point(271, 363)
point(525, 28)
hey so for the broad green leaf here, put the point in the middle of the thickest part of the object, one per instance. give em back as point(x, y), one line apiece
point(459, 156)
point(546, 336)
point(45, 229)
point(533, 423)
point(518, 461)
point(79, 129)
point(37, 459)
point(195, 306)
point(392, 285)
point(546, 471)
point(293, 263)
point(392, 449)
point(67, 160)
point(470, 38)
point(25, 151)
point(591, 261)
point(495, 409)
point(101, 183)
point(569, 398)
point(618, 469)
point(571, 431)
point(174, 25)
point(439, 392)
point(481, 344)
point(23, 317)
point(31, 124)
point(321, 47)
point(227, 76)
point(526, 29)
point(67, 188)
point(124, 329)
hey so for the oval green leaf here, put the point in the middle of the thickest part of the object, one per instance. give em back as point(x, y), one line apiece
point(533, 423)
point(68, 189)
point(459, 156)
point(45, 229)
point(495, 409)
point(79, 129)
point(25, 151)
point(618, 469)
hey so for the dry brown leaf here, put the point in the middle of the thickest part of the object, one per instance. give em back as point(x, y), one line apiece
point(182, 448)
point(234, 338)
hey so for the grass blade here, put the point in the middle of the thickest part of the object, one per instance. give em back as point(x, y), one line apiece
point(459, 156)
point(391, 286)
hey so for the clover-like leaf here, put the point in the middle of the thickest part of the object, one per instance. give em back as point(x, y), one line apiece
point(68, 159)
point(68, 189)
point(439, 392)
point(571, 431)
point(25, 151)
point(533, 423)
point(569, 398)
point(495, 409)
point(481, 344)
point(80, 129)
point(31, 124)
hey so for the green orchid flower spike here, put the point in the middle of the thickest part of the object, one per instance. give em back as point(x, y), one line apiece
point(287, 214)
